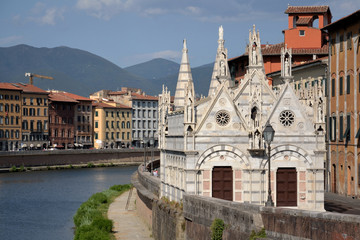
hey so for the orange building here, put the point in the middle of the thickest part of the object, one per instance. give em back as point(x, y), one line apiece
point(10, 117)
point(344, 110)
point(304, 36)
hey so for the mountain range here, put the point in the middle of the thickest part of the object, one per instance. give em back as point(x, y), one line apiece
point(83, 73)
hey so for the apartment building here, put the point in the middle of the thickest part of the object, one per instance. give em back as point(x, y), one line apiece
point(112, 125)
point(344, 110)
point(10, 117)
point(61, 118)
point(35, 125)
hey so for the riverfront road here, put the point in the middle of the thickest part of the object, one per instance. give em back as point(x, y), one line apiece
point(127, 224)
point(341, 204)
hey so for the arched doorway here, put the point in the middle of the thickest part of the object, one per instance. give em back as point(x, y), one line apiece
point(222, 183)
point(286, 187)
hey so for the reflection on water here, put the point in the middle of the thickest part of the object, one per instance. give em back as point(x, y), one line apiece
point(41, 205)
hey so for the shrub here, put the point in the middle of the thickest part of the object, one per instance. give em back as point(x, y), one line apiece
point(120, 188)
point(22, 168)
point(102, 224)
point(90, 219)
point(90, 165)
point(260, 234)
point(217, 228)
point(13, 169)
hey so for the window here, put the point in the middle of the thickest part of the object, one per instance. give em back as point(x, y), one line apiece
point(88, 108)
point(333, 87)
point(79, 108)
point(112, 135)
point(127, 114)
point(7, 134)
point(134, 113)
point(112, 114)
point(17, 108)
point(45, 112)
point(112, 124)
point(128, 135)
point(96, 125)
point(117, 135)
point(6, 120)
point(347, 134)
point(123, 135)
point(107, 124)
point(122, 114)
point(17, 120)
point(38, 112)
point(122, 124)
point(1, 120)
point(31, 101)
point(24, 100)
point(96, 113)
point(348, 84)
point(134, 122)
point(117, 114)
point(301, 32)
point(333, 129)
point(45, 101)
point(341, 43)
point(12, 108)
point(107, 114)
point(6, 107)
point(1, 107)
point(348, 41)
point(25, 125)
point(17, 134)
point(107, 135)
point(45, 125)
point(118, 124)
point(341, 128)
point(341, 85)
point(332, 47)
point(96, 135)
point(127, 124)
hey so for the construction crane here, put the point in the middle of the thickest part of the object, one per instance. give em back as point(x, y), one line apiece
point(32, 75)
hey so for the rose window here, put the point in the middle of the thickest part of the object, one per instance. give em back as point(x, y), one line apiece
point(222, 118)
point(287, 118)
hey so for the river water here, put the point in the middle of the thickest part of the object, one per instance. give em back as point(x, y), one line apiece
point(40, 205)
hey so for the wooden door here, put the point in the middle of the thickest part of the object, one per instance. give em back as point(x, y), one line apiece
point(286, 187)
point(222, 183)
point(333, 173)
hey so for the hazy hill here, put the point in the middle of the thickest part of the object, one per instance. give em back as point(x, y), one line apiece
point(82, 73)
point(74, 70)
point(154, 69)
point(201, 77)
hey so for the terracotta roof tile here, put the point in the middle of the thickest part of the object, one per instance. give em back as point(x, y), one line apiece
point(27, 88)
point(105, 105)
point(304, 20)
point(9, 86)
point(77, 97)
point(142, 97)
point(60, 97)
point(307, 9)
point(117, 93)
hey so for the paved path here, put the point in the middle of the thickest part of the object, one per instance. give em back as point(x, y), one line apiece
point(127, 224)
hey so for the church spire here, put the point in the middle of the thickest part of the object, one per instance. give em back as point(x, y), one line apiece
point(184, 79)
point(221, 67)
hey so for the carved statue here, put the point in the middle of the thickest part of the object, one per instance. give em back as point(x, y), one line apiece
point(287, 67)
point(254, 57)
point(222, 68)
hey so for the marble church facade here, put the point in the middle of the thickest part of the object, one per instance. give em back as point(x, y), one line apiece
point(214, 146)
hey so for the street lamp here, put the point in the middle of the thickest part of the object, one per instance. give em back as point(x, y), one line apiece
point(152, 153)
point(144, 143)
point(268, 134)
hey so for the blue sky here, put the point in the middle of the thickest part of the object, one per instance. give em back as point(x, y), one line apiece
point(127, 32)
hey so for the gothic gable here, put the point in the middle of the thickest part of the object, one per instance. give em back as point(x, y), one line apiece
point(289, 116)
point(222, 115)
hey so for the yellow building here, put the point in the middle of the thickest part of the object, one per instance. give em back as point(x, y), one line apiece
point(35, 118)
point(10, 117)
point(112, 125)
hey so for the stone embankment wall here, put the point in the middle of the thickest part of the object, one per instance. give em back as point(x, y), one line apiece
point(240, 218)
point(165, 221)
point(66, 157)
point(280, 223)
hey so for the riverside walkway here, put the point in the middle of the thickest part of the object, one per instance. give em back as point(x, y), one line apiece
point(127, 224)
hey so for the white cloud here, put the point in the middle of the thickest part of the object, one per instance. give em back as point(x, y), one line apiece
point(10, 40)
point(203, 10)
point(45, 16)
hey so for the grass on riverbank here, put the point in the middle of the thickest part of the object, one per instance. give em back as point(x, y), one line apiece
point(91, 220)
